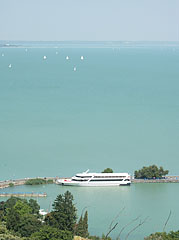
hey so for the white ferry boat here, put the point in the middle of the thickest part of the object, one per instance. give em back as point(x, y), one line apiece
point(97, 179)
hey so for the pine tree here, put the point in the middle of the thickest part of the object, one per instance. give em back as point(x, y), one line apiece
point(82, 226)
point(85, 225)
point(79, 227)
point(63, 215)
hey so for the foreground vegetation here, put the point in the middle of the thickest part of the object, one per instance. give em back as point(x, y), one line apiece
point(20, 220)
point(163, 236)
point(150, 172)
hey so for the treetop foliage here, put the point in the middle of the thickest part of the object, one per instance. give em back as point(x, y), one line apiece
point(64, 214)
point(51, 233)
point(163, 236)
point(107, 170)
point(150, 172)
point(82, 226)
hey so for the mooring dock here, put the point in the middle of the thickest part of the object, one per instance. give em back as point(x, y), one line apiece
point(22, 194)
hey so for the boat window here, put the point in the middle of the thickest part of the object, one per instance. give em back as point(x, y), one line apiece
point(109, 176)
point(105, 180)
point(83, 176)
point(79, 180)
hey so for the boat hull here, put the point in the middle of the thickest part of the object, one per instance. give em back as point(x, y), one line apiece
point(65, 182)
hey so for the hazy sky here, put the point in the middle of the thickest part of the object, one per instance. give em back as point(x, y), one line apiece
point(89, 20)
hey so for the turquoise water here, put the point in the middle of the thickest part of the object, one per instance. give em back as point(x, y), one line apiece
point(151, 201)
point(119, 109)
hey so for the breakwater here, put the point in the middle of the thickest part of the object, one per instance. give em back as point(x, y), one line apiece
point(23, 194)
point(18, 182)
point(168, 179)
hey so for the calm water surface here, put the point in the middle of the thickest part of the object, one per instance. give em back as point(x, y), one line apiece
point(151, 201)
point(119, 109)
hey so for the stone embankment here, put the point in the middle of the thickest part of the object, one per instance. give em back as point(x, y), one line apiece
point(18, 182)
point(23, 194)
point(168, 179)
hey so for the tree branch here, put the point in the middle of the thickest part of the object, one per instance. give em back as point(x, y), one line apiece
point(127, 226)
point(111, 230)
point(141, 223)
point(167, 220)
point(110, 226)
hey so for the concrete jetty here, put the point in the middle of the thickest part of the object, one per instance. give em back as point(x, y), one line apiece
point(23, 194)
point(168, 179)
point(18, 182)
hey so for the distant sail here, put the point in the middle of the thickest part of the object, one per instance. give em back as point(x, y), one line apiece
point(67, 57)
point(74, 69)
point(45, 57)
point(2, 54)
point(82, 57)
point(10, 66)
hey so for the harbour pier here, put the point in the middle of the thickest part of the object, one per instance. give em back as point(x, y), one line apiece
point(167, 179)
point(23, 194)
point(19, 182)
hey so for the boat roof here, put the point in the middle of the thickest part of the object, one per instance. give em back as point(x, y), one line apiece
point(101, 174)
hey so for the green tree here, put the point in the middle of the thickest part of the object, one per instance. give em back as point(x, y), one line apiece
point(12, 219)
point(107, 170)
point(6, 235)
point(27, 225)
point(79, 227)
point(63, 215)
point(82, 226)
point(21, 205)
point(150, 172)
point(85, 225)
point(163, 236)
point(2, 210)
point(12, 201)
point(21, 219)
point(51, 233)
point(22, 208)
point(34, 206)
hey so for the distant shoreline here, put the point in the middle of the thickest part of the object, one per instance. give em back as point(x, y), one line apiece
point(86, 44)
point(19, 182)
point(168, 179)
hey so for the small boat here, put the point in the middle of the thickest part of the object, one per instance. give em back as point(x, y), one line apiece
point(67, 57)
point(45, 57)
point(42, 212)
point(87, 179)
